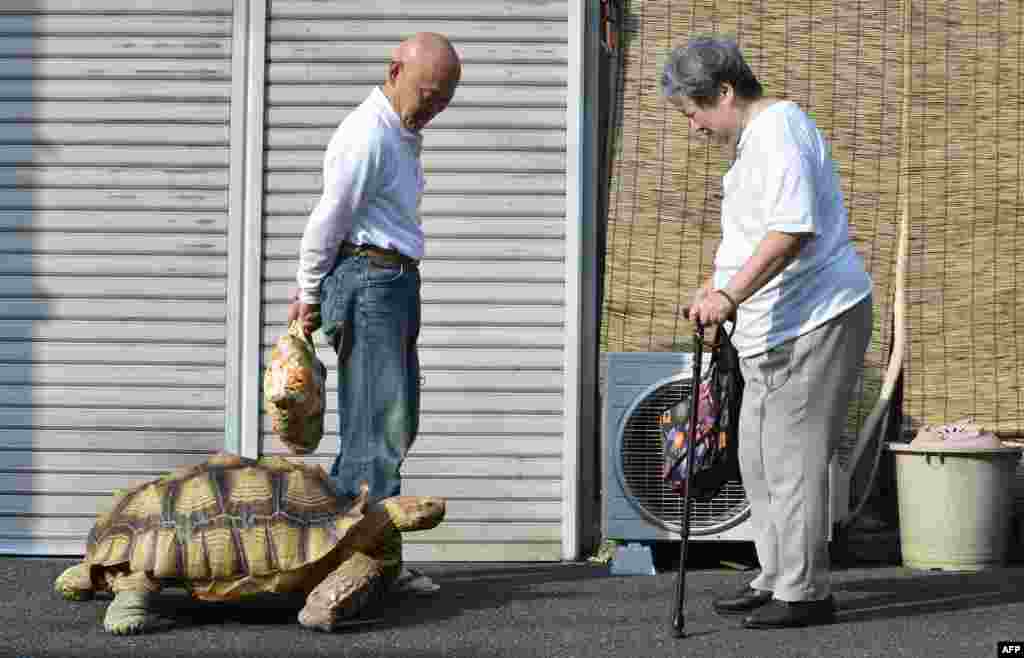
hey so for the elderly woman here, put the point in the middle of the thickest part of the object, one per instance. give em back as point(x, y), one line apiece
point(788, 278)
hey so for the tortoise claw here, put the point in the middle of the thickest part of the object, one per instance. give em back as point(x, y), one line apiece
point(131, 613)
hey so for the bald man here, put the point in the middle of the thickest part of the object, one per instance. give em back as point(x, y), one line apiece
point(359, 268)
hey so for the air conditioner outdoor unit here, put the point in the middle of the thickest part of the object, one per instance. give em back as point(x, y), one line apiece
point(637, 506)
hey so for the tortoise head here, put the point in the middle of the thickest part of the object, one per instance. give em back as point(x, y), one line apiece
point(414, 512)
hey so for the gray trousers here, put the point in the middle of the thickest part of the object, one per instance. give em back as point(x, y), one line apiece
point(793, 413)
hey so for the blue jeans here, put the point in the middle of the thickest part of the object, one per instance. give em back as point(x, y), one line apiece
point(371, 314)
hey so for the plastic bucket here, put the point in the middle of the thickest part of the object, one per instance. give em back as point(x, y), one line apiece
point(955, 505)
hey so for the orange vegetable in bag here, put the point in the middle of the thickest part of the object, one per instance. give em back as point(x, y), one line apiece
point(294, 391)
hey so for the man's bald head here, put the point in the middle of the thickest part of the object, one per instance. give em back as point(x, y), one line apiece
point(427, 48)
point(422, 77)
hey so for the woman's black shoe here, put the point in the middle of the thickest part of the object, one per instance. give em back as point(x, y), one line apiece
point(784, 614)
point(745, 600)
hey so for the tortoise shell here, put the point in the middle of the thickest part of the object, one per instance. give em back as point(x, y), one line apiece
point(225, 519)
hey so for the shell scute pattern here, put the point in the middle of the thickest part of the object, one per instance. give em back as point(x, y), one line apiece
point(227, 518)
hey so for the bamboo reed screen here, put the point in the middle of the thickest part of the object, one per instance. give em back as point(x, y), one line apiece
point(844, 63)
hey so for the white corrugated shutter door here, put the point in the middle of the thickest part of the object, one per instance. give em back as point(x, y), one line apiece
point(491, 429)
point(113, 212)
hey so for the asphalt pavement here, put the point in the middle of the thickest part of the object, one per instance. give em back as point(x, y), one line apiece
point(556, 610)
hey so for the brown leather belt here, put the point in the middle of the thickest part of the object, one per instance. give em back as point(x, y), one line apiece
point(378, 255)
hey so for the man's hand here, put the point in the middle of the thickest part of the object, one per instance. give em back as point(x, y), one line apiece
point(309, 314)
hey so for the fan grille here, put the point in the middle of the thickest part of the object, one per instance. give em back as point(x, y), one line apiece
point(641, 457)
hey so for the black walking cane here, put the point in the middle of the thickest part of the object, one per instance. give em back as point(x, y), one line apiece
point(678, 622)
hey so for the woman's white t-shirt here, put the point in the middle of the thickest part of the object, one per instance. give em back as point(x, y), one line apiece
point(784, 180)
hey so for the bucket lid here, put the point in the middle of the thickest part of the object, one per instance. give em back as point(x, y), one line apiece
point(964, 433)
point(939, 449)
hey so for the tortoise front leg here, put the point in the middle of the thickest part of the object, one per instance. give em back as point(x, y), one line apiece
point(344, 593)
point(132, 609)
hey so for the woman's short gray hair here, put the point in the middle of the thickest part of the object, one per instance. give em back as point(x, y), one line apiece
point(699, 68)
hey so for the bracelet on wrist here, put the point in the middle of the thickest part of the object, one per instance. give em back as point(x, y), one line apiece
point(728, 297)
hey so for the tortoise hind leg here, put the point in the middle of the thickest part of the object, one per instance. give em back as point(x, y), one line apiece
point(75, 583)
point(132, 609)
point(344, 593)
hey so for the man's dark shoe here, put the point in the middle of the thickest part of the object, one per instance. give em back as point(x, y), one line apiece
point(784, 614)
point(743, 601)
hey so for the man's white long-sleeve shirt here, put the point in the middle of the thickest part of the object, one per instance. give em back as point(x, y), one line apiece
point(373, 185)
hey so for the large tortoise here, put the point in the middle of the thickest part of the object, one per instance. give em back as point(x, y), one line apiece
point(232, 528)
